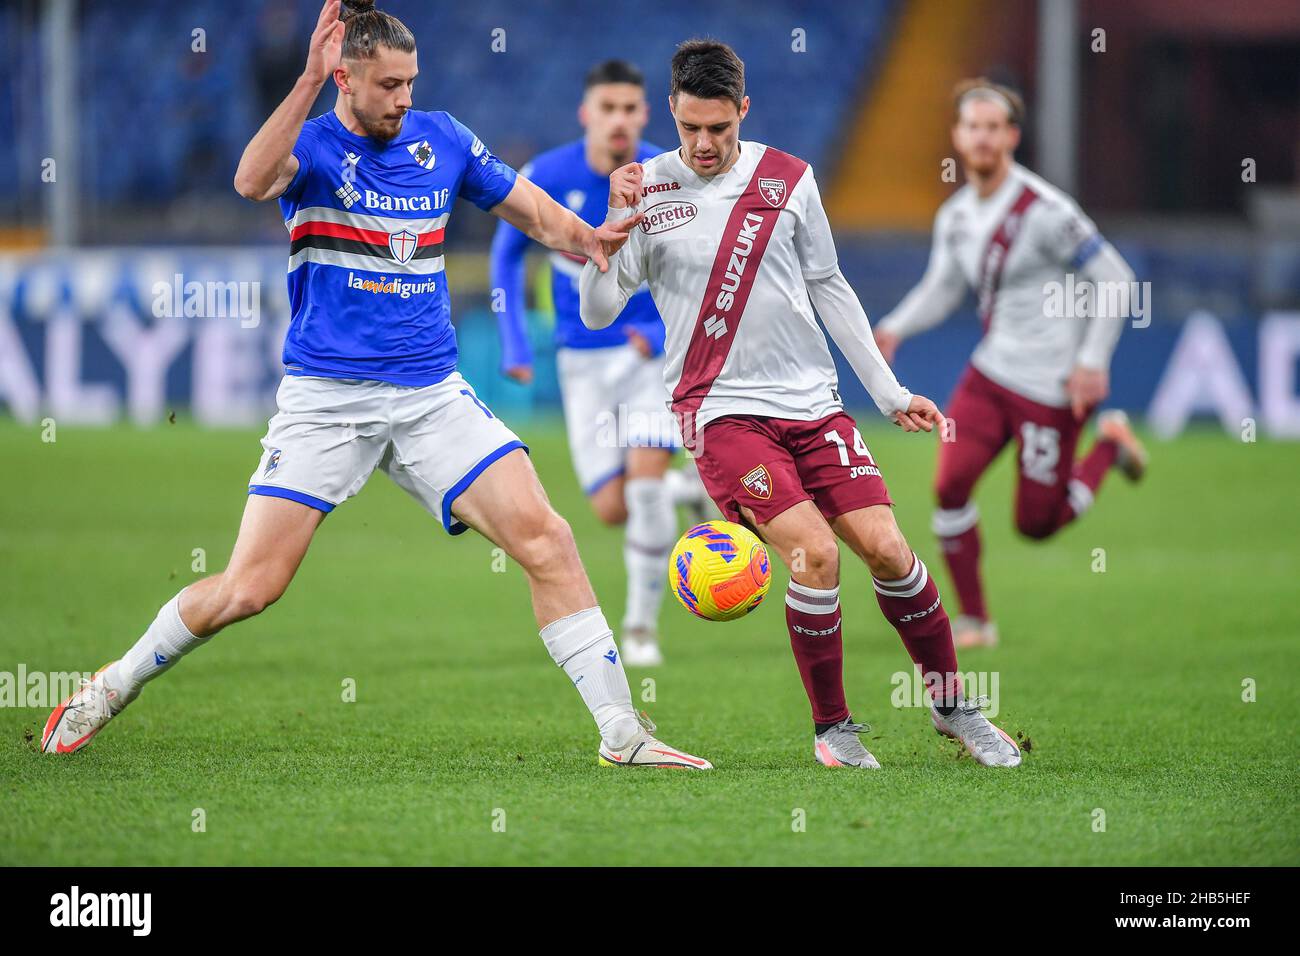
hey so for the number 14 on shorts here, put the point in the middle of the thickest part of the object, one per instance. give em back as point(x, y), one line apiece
point(859, 449)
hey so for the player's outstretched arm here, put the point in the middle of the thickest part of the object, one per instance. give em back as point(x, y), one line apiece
point(268, 164)
point(1089, 382)
point(842, 314)
point(930, 302)
point(506, 273)
point(530, 210)
point(846, 321)
point(602, 295)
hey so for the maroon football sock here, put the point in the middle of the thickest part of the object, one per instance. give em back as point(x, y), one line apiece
point(813, 616)
point(962, 553)
point(912, 605)
point(1092, 467)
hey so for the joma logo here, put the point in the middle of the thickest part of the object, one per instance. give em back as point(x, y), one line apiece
point(918, 614)
point(813, 632)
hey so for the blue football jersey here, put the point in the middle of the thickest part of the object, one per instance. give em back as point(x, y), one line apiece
point(367, 289)
point(564, 174)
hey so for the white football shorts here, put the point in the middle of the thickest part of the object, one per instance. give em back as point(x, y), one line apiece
point(614, 399)
point(330, 434)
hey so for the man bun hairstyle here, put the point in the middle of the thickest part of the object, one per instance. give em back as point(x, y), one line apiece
point(982, 88)
point(708, 69)
point(368, 29)
point(614, 71)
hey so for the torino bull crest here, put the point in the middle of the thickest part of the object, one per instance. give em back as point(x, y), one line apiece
point(773, 190)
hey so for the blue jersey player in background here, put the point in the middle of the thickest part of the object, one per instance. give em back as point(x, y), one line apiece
point(370, 382)
point(621, 434)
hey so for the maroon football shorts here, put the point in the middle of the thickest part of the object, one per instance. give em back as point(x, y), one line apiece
point(772, 464)
point(986, 416)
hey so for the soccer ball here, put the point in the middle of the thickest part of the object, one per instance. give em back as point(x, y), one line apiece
point(719, 571)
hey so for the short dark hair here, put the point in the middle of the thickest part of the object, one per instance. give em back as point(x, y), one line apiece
point(614, 71)
point(368, 29)
point(708, 69)
point(983, 87)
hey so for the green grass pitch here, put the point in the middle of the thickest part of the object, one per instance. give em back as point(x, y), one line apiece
point(1129, 683)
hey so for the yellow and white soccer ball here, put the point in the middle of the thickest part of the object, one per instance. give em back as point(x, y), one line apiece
point(719, 571)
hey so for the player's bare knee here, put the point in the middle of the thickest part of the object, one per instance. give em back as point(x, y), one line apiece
point(559, 548)
point(607, 502)
point(894, 561)
point(246, 597)
point(817, 563)
point(611, 512)
point(888, 555)
point(545, 542)
point(951, 495)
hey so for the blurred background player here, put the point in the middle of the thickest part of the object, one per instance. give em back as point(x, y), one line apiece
point(621, 434)
point(737, 268)
point(371, 381)
point(1038, 373)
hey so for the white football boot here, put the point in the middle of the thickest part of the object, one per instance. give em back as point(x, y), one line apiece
point(970, 631)
point(646, 750)
point(987, 743)
point(1113, 425)
point(84, 714)
point(839, 746)
point(641, 649)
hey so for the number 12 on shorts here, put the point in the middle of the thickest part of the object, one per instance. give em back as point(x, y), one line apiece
point(859, 448)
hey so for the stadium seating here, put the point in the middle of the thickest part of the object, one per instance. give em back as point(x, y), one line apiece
point(171, 134)
point(188, 115)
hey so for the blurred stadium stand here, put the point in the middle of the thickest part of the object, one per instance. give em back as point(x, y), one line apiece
point(164, 126)
point(1184, 91)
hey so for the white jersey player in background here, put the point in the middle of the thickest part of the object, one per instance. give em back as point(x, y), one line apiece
point(1040, 370)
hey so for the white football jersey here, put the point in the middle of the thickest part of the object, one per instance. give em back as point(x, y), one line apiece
point(726, 258)
point(1009, 247)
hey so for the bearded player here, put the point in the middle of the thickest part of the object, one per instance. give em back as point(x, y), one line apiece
point(621, 435)
point(366, 191)
point(1036, 376)
point(736, 247)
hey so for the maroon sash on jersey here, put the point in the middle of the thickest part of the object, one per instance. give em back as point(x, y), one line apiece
point(740, 252)
point(995, 255)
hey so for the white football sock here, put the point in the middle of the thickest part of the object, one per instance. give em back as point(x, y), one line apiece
point(583, 645)
point(684, 485)
point(165, 642)
point(648, 541)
